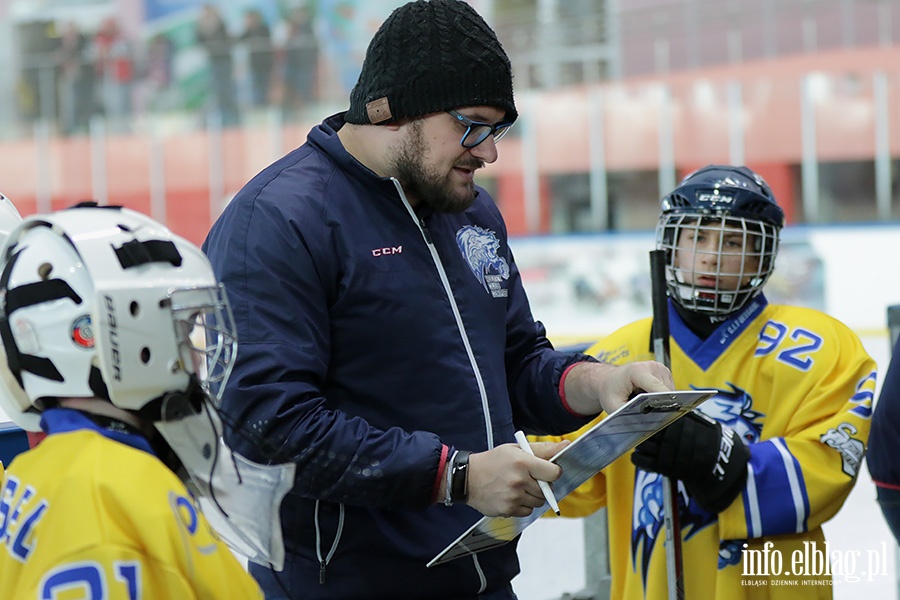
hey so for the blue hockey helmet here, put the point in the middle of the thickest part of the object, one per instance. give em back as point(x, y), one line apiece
point(735, 209)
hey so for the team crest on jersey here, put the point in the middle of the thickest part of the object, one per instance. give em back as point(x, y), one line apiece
point(647, 517)
point(479, 248)
point(732, 407)
point(852, 450)
point(82, 332)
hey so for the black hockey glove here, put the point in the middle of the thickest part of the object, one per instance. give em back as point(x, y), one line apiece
point(707, 456)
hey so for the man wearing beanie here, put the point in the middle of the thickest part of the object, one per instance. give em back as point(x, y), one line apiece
point(386, 344)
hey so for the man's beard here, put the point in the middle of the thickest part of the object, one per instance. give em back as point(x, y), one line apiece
point(432, 189)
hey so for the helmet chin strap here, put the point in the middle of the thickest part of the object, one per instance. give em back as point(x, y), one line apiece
point(173, 406)
point(178, 405)
point(96, 383)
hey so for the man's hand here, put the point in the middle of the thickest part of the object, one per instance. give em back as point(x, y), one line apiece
point(594, 387)
point(503, 481)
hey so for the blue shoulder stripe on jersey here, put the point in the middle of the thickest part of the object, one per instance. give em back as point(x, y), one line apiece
point(775, 474)
point(705, 352)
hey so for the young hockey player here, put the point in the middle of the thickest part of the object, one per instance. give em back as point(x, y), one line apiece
point(764, 463)
point(115, 338)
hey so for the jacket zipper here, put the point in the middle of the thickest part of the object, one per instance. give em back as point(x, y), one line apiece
point(323, 561)
point(485, 407)
point(425, 233)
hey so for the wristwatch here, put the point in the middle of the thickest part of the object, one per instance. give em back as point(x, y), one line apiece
point(458, 478)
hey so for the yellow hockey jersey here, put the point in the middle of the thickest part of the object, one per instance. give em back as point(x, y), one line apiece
point(794, 384)
point(85, 516)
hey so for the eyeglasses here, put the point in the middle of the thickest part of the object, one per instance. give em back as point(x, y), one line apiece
point(477, 132)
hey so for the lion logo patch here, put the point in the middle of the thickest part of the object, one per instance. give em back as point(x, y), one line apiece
point(479, 248)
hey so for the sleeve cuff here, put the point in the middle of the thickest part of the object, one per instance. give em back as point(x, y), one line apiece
point(442, 465)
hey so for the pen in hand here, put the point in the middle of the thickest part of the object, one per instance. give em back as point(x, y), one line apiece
point(545, 487)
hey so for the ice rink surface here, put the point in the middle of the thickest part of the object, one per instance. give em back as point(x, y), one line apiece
point(551, 551)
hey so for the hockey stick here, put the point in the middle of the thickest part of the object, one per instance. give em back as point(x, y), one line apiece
point(660, 338)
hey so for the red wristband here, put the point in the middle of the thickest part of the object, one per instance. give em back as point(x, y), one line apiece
point(442, 465)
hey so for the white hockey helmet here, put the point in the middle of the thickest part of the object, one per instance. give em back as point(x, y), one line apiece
point(106, 302)
point(9, 218)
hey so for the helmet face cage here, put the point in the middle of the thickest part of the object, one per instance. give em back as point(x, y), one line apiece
point(716, 264)
point(205, 333)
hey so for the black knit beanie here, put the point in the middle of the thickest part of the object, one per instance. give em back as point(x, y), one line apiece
point(431, 56)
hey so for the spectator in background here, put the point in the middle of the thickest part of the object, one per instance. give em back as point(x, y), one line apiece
point(76, 80)
point(213, 36)
point(299, 60)
point(157, 72)
point(258, 40)
point(343, 37)
point(114, 67)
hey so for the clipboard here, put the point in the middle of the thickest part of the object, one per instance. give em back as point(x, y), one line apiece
point(622, 430)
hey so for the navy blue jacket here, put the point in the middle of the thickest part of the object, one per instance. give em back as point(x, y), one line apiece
point(373, 340)
point(884, 437)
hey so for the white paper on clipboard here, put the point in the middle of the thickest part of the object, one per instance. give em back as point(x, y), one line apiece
point(625, 428)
